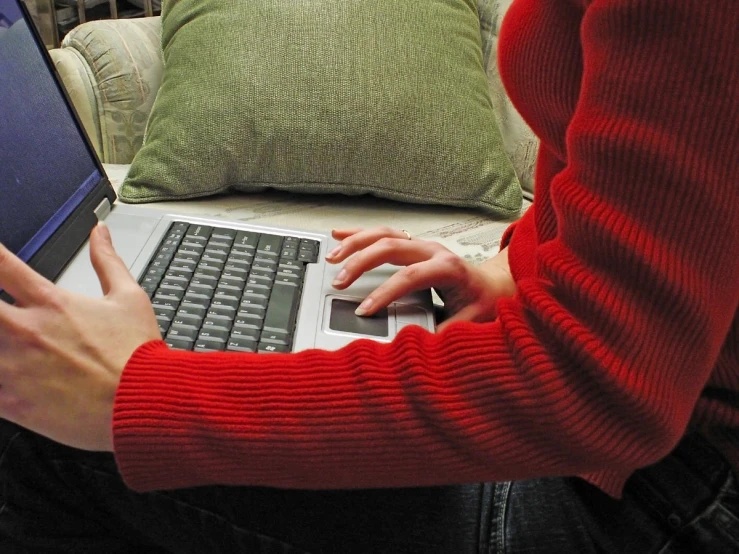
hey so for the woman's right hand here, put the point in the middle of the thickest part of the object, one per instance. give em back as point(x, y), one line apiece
point(469, 292)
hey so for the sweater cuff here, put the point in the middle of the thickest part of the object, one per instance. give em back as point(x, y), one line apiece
point(128, 409)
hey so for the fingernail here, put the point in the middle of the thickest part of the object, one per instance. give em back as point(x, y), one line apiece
point(364, 307)
point(104, 231)
point(339, 278)
point(333, 252)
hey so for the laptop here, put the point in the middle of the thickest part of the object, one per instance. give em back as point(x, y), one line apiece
point(216, 285)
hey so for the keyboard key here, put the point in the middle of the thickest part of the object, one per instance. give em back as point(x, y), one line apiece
point(251, 312)
point(213, 334)
point(206, 345)
point(226, 294)
point(150, 288)
point(171, 295)
point(258, 301)
point(179, 344)
point(237, 264)
point(213, 324)
point(199, 231)
point(289, 254)
point(254, 293)
point(307, 257)
point(291, 280)
point(163, 327)
point(179, 227)
point(247, 322)
point(263, 268)
point(269, 245)
point(232, 286)
point(199, 296)
point(182, 267)
point(164, 303)
point(267, 348)
point(185, 333)
point(261, 276)
point(168, 284)
point(187, 322)
point(265, 260)
point(188, 309)
point(192, 249)
point(233, 281)
point(204, 281)
point(158, 264)
point(273, 337)
point(225, 312)
point(164, 313)
point(256, 285)
point(221, 233)
point(199, 292)
point(187, 257)
point(240, 251)
point(250, 333)
point(224, 303)
point(247, 239)
point(287, 270)
point(213, 256)
point(211, 264)
point(189, 319)
point(311, 244)
point(241, 344)
point(207, 272)
point(282, 309)
point(176, 275)
point(156, 271)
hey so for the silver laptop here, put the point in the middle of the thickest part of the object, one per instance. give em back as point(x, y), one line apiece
point(215, 285)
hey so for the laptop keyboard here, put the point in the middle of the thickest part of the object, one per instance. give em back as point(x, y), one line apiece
point(216, 289)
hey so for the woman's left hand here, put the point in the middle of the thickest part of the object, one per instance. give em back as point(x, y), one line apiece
point(63, 354)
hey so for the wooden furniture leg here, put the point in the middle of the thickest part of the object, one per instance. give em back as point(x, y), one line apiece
point(81, 10)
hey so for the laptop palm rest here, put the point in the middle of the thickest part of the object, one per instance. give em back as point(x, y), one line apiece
point(130, 233)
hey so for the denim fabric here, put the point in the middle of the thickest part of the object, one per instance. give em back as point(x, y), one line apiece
point(56, 499)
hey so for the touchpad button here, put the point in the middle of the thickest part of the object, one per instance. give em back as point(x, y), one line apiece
point(343, 319)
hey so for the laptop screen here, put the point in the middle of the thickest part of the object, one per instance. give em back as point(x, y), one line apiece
point(46, 167)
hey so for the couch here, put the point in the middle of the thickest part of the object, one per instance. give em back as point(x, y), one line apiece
point(112, 71)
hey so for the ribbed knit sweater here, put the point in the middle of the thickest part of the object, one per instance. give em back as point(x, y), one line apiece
point(622, 334)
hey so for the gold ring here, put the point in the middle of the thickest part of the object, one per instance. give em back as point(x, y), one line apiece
point(406, 233)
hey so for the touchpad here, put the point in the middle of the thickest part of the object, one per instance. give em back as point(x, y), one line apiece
point(343, 319)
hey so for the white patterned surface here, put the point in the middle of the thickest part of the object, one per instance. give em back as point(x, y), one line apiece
point(471, 234)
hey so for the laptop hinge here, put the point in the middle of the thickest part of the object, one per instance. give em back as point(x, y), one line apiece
point(103, 209)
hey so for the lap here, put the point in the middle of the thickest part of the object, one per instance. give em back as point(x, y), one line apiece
point(73, 501)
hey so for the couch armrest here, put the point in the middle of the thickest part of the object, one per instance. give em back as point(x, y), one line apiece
point(112, 70)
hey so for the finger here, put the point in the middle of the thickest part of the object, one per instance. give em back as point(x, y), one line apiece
point(360, 240)
point(400, 252)
point(20, 281)
point(410, 279)
point(110, 268)
point(341, 234)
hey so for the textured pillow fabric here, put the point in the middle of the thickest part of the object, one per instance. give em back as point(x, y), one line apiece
point(386, 97)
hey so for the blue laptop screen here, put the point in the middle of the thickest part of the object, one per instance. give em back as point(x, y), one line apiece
point(46, 168)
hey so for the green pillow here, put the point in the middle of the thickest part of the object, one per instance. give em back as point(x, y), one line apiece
point(382, 97)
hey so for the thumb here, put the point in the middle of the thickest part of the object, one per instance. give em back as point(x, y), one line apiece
point(110, 268)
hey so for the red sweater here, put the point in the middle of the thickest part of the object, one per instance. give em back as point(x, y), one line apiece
point(623, 331)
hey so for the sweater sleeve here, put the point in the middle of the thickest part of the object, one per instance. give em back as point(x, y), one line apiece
point(595, 364)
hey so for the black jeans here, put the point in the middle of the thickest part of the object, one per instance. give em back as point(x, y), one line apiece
point(57, 499)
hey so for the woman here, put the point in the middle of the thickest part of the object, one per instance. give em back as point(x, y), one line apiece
point(590, 370)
